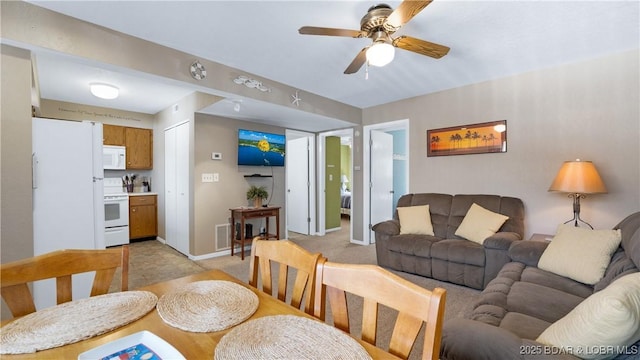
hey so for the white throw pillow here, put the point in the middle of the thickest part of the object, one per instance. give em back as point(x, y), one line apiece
point(580, 254)
point(480, 223)
point(601, 325)
point(415, 220)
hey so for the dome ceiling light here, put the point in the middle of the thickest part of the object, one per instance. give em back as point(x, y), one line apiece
point(104, 91)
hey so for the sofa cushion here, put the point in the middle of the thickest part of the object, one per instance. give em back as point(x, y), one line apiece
point(580, 254)
point(459, 251)
point(630, 228)
point(541, 277)
point(610, 317)
point(540, 301)
point(415, 220)
point(524, 326)
point(416, 245)
point(480, 223)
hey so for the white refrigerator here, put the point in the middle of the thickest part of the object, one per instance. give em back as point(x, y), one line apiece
point(68, 200)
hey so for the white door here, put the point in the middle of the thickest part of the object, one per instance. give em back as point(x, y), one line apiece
point(177, 187)
point(298, 182)
point(170, 210)
point(381, 200)
point(182, 188)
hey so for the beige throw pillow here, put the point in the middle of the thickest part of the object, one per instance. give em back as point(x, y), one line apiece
point(480, 223)
point(601, 325)
point(415, 220)
point(580, 254)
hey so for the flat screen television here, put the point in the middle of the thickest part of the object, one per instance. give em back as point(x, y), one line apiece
point(256, 148)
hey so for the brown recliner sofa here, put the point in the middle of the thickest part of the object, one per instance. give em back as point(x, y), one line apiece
point(524, 300)
point(445, 256)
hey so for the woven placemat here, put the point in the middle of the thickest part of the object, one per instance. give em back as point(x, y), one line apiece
point(288, 337)
point(205, 306)
point(74, 321)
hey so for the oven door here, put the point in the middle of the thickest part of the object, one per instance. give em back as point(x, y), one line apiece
point(116, 210)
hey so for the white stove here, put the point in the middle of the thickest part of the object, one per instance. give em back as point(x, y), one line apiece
point(116, 213)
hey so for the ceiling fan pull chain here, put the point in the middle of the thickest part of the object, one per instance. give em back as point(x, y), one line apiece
point(366, 71)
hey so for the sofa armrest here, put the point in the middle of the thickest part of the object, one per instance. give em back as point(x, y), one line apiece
point(501, 240)
point(389, 227)
point(464, 339)
point(527, 252)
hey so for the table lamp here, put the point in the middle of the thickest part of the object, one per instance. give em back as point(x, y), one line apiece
point(578, 178)
point(344, 180)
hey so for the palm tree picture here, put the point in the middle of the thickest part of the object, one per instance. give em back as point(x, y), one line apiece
point(489, 137)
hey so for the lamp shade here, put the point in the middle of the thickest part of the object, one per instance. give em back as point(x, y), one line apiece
point(344, 179)
point(580, 177)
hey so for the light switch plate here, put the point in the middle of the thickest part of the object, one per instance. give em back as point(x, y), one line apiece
point(216, 156)
point(207, 178)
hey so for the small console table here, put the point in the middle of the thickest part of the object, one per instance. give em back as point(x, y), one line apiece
point(244, 213)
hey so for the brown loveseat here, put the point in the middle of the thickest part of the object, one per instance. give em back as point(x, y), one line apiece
point(524, 300)
point(445, 256)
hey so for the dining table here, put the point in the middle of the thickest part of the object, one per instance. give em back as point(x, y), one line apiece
point(192, 345)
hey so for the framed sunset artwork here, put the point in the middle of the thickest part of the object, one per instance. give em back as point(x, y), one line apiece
point(482, 138)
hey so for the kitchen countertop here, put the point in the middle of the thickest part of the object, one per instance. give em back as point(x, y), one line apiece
point(142, 193)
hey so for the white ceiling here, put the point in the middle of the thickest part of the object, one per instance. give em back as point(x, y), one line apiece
point(488, 40)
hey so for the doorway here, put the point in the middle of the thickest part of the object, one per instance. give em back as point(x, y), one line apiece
point(300, 199)
point(385, 170)
point(335, 181)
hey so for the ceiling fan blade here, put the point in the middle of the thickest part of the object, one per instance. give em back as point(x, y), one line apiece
point(420, 46)
point(405, 12)
point(312, 30)
point(357, 62)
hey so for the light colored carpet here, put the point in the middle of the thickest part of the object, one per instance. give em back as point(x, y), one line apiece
point(151, 262)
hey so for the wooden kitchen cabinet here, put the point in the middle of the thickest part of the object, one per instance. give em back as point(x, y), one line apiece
point(139, 143)
point(143, 216)
point(113, 135)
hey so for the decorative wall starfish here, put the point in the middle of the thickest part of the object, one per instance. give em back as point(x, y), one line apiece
point(296, 99)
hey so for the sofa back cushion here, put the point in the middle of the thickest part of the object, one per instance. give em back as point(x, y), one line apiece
point(626, 259)
point(447, 211)
point(630, 228)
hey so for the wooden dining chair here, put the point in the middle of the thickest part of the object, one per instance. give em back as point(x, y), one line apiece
point(415, 305)
point(60, 265)
point(288, 255)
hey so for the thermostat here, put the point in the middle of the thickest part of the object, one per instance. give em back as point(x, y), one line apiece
point(216, 156)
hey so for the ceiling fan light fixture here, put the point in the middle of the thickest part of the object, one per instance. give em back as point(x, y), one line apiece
point(381, 52)
point(104, 91)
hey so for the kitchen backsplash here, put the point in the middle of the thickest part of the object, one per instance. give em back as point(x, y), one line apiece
point(141, 176)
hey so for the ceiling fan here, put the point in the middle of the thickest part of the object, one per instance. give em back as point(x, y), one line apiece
point(380, 22)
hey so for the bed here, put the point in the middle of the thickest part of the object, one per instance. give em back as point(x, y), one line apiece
point(345, 204)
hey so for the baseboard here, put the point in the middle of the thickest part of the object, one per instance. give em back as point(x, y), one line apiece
point(216, 254)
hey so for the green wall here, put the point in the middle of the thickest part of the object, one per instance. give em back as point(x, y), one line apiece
point(332, 182)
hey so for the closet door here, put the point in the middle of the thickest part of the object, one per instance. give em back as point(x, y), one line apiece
point(177, 208)
point(182, 188)
point(170, 202)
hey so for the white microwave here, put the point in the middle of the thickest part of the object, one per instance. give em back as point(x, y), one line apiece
point(113, 157)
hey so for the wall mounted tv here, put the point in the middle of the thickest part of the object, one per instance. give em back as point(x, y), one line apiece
point(257, 148)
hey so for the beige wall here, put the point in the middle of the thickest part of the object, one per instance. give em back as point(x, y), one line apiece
point(587, 110)
point(29, 24)
point(16, 221)
point(212, 201)
point(70, 111)
point(186, 109)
